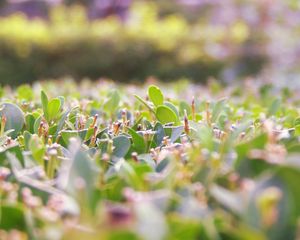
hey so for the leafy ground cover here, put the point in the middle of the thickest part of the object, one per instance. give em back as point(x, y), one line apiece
point(105, 161)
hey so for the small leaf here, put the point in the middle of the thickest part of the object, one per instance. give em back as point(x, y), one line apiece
point(176, 132)
point(172, 106)
point(112, 102)
point(121, 146)
point(14, 118)
point(217, 109)
point(27, 137)
point(62, 121)
point(53, 108)
point(30, 120)
point(165, 115)
point(36, 125)
point(155, 95)
point(37, 148)
point(138, 141)
point(162, 165)
point(159, 133)
point(80, 167)
point(44, 100)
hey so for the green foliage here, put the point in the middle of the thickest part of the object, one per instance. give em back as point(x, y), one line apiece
point(37, 148)
point(25, 93)
point(121, 146)
point(112, 102)
point(44, 100)
point(53, 108)
point(167, 47)
point(14, 118)
point(155, 95)
point(166, 115)
point(12, 217)
point(101, 164)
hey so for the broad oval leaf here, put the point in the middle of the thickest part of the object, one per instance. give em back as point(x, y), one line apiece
point(155, 95)
point(14, 118)
point(165, 115)
point(121, 146)
point(172, 106)
point(53, 108)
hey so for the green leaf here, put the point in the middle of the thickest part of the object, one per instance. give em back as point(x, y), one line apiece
point(62, 120)
point(176, 133)
point(36, 125)
point(29, 122)
point(274, 108)
point(14, 150)
point(121, 146)
point(155, 95)
point(54, 108)
point(44, 100)
point(112, 102)
point(138, 141)
point(243, 149)
point(184, 106)
point(165, 115)
point(37, 148)
point(81, 168)
point(27, 136)
point(172, 106)
point(297, 122)
point(159, 133)
point(203, 133)
point(162, 165)
point(14, 118)
point(25, 92)
point(297, 130)
point(12, 217)
point(217, 109)
point(67, 134)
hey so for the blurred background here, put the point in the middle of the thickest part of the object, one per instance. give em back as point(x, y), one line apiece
point(130, 40)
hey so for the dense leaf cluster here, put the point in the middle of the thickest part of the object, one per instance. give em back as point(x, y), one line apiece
point(180, 162)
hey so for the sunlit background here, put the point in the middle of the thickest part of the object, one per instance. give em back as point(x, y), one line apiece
point(129, 41)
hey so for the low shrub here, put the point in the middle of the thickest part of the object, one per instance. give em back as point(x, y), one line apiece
point(95, 161)
point(145, 45)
